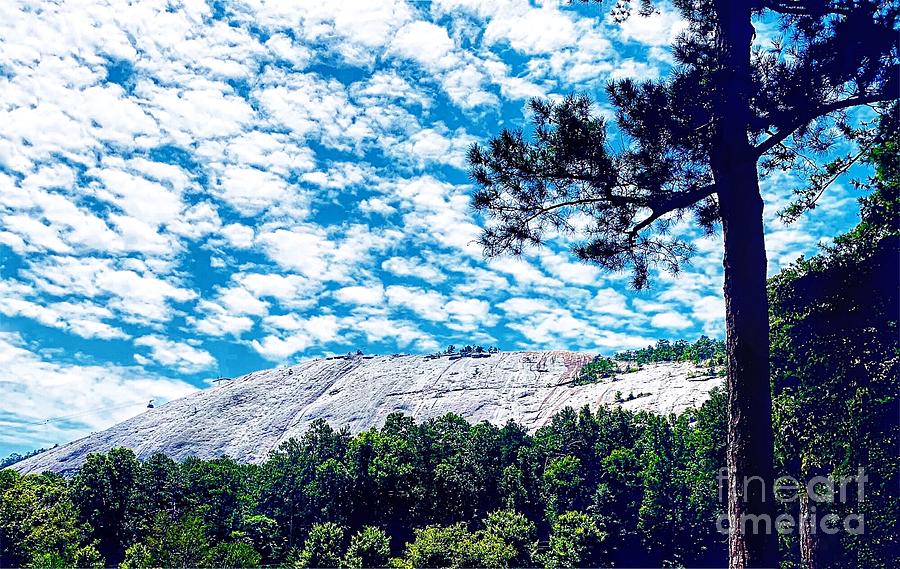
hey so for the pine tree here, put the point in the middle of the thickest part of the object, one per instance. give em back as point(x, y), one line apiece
point(697, 142)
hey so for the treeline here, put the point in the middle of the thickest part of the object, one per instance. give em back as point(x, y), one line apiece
point(609, 487)
point(17, 457)
point(704, 350)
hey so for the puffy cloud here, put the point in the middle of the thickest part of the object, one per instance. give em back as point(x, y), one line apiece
point(670, 321)
point(55, 401)
point(658, 29)
point(361, 294)
point(217, 321)
point(83, 319)
point(413, 267)
point(402, 333)
point(133, 290)
point(302, 333)
point(179, 356)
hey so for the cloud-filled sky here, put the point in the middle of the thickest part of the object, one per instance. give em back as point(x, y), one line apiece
point(191, 189)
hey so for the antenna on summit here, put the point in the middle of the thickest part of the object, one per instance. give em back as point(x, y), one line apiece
point(150, 404)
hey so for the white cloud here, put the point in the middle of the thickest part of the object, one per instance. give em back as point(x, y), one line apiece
point(611, 301)
point(425, 43)
point(82, 319)
point(137, 294)
point(250, 191)
point(51, 402)
point(217, 321)
point(458, 72)
point(435, 146)
point(404, 334)
point(238, 235)
point(179, 356)
point(425, 303)
point(377, 206)
point(238, 300)
point(413, 267)
point(533, 31)
point(518, 306)
point(670, 321)
point(373, 294)
point(304, 333)
point(657, 29)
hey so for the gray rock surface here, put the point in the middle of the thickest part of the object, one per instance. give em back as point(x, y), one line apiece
point(247, 417)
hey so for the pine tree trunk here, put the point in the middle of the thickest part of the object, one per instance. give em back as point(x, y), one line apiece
point(749, 451)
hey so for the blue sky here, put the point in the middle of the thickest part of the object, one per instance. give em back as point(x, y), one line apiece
point(191, 189)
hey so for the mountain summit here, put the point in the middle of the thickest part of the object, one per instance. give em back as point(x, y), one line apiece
point(249, 416)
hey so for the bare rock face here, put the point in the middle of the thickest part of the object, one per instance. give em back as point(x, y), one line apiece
point(247, 417)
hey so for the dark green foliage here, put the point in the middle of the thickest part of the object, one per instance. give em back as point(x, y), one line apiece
point(455, 546)
point(515, 530)
point(836, 361)
point(38, 523)
point(171, 543)
point(466, 351)
point(102, 494)
point(232, 555)
point(262, 533)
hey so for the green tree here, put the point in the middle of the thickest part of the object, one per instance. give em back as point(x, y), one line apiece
point(617, 501)
point(576, 541)
point(174, 543)
point(369, 547)
point(157, 488)
point(263, 534)
point(219, 493)
point(454, 546)
point(389, 476)
point(562, 485)
point(38, 522)
point(324, 546)
point(102, 493)
point(515, 530)
point(695, 142)
point(137, 556)
point(659, 515)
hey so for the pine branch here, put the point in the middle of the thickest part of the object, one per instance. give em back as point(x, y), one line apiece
point(674, 202)
point(783, 133)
